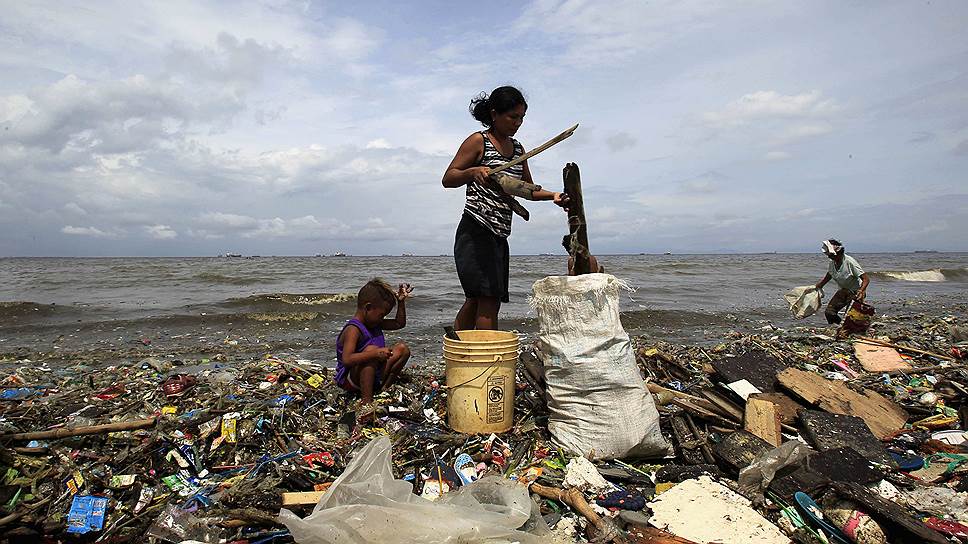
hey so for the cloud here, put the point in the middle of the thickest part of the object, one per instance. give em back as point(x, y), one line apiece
point(961, 148)
point(89, 231)
point(777, 156)
point(160, 232)
point(771, 105)
point(620, 141)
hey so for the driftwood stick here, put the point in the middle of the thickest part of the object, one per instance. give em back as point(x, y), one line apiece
point(573, 498)
point(577, 227)
point(82, 431)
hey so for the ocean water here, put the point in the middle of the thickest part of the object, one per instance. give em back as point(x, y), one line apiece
point(74, 308)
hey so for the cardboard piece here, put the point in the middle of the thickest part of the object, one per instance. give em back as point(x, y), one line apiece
point(822, 468)
point(705, 511)
point(879, 358)
point(826, 431)
point(883, 416)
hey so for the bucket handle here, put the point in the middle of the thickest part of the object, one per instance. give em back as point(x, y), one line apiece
point(497, 359)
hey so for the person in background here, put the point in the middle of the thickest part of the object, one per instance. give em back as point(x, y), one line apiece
point(481, 243)
point(849, 276)
point(364, 363)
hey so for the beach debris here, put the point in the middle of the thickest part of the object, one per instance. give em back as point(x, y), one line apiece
point(253, 435)
point(883, 416)
point(703, 510)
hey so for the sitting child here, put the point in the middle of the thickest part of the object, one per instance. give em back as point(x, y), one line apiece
point(593, 265)
point(364, 364)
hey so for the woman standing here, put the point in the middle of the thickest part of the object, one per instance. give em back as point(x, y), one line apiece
point(849, 276)
point(481, 245)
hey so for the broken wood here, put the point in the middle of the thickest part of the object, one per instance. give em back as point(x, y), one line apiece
point(876, 358)
point(82, 431)
point(724, 404)
point(653, 535)
point(304, 497)
point(883, 416)
point(763, 420)
point(574, 498)
point(877, 342)
point(577, 228)
point(709, 415)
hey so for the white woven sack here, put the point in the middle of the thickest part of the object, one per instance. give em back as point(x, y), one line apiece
point(597, 400)
point(804, 301)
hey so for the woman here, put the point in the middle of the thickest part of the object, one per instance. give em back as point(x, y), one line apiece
point(481, 245)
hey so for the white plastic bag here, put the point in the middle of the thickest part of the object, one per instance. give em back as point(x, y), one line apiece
point(367, 505)
point(597, 400)
point(804, 301)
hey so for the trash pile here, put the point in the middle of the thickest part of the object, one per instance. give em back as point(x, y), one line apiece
point(776, 436)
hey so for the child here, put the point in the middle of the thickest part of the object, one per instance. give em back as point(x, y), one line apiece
point(364, 364)
point(592, 261)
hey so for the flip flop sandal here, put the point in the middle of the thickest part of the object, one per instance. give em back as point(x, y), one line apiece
point(466, 468)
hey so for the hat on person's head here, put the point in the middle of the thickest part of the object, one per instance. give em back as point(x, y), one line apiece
point(832, 247)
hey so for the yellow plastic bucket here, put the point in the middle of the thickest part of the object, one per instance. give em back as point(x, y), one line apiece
point(480, 381)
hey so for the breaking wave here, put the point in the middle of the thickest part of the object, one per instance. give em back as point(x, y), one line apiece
point(933, 275)
point(294, 299)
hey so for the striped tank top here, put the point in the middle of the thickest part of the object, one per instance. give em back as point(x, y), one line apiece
point(489, 206)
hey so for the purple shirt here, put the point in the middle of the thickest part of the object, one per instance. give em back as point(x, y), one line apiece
point(367, 338)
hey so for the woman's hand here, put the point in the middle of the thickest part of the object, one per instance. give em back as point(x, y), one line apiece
point(860, 296)
point(478, 174)
point(562, 200)
point(404, 292)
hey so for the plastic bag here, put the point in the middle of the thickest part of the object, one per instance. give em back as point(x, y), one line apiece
point(804, 301)
point(758, 475)
point(366, 504)
point(597, 400)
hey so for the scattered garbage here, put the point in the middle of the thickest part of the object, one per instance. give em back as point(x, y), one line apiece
point(234, 449)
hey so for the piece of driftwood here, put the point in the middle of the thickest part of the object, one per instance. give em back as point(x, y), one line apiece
point(737, 450)
point(577, 228)
point(653, 535)
point(82, 431)
point(574, 498)
point(883, 416)
point(763, 420)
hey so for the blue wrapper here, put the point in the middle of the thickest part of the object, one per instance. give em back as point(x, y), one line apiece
point(86, 514)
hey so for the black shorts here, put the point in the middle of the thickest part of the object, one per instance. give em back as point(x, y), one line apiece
point(482, 259)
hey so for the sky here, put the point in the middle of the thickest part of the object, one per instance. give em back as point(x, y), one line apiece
point(185, 128)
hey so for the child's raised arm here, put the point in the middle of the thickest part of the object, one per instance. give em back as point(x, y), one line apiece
point(399, 321)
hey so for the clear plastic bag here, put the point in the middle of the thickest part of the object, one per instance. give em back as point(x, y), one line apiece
point(758, 475)
point(804, 301)
point(366, 504)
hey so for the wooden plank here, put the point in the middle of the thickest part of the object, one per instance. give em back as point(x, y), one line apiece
point(763, 420)
point(883, 416)
point(577, 227)
point(785, 406)
point(302, 497)
point(879, 358)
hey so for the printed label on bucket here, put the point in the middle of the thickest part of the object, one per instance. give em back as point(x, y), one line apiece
point(495, 399)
